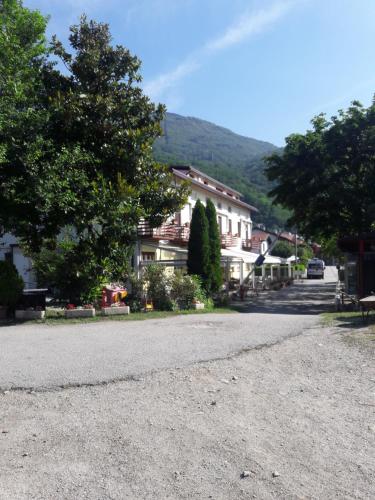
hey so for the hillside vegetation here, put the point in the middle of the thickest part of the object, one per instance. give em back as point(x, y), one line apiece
point(231, 158)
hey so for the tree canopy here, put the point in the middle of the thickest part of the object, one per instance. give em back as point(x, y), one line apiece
point(216, 275)
point(76, 146)
point(326, 177)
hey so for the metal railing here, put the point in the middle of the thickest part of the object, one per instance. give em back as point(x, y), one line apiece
point(167, 231)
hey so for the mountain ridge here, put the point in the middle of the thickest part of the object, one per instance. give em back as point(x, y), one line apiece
point(231, 158)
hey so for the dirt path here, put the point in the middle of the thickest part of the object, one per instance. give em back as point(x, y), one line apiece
point(303, 409)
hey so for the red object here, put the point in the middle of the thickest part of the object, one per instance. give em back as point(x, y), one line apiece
point(70, 306)
point(112, 295)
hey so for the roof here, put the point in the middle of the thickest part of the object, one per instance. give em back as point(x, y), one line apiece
point(178, 173)
point(190, 168)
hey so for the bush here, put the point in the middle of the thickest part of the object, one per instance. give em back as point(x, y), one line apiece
point(11, 284)
point(156, 286)
point(135, 298)
point(184, 289)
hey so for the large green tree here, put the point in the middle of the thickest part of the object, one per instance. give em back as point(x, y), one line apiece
point(216, 275)
point(198, 247)
point(326, 177)
point(82, 158)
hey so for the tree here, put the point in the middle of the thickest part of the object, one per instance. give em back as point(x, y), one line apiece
point(198, 247)
point(283, 249)
point(84, 159)
point(304, 253)
point(327, 176)
point(11, 284)
point(216, 275)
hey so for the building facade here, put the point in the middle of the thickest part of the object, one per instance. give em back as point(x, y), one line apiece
point(167, 244)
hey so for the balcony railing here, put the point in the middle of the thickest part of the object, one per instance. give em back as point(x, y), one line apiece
point(229, 240)
point(247, 244)
point(167, 231)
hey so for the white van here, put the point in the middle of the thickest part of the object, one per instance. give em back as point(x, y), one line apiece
point(315, 268)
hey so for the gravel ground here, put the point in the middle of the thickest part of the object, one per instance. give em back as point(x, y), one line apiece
point(39, 356)
point(303, 408)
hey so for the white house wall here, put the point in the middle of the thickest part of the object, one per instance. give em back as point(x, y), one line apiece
point(9, 246)
point(225, 208)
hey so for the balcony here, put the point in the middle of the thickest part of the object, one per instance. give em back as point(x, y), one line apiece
point(229, 240)
point(168, 231)
point(247, 244)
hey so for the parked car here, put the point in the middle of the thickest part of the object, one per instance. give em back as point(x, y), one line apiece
point(315, 268)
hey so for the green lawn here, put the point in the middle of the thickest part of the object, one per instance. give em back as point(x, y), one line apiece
point(348, 319)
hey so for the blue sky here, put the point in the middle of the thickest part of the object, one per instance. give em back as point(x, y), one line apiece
point(262, 68)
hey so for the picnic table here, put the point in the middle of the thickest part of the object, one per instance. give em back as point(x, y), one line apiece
point(367, 304)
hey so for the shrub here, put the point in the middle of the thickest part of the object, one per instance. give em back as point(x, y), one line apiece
point(135, 286)
point(184, 289)
point(156, 285)
point(198, 247)
point(11, 284)
point(216, 274)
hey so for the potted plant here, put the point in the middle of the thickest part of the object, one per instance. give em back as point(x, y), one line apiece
point(11, 286)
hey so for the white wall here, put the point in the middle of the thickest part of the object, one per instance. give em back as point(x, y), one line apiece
point(228, 210)
point(8, 245)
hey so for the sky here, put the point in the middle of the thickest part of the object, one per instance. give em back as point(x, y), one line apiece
point(262, 68)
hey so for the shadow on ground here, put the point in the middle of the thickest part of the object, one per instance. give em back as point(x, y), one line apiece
point(299, 299)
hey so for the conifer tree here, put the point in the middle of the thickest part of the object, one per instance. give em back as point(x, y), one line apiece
point(198, 248)
point(216, 275)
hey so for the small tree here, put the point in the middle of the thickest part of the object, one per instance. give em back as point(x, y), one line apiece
point(198, 247)
point(282, 249)
point(216, 275)
point(11, 284)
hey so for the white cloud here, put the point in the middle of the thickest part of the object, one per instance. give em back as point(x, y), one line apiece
point(161, 83)
point(249, 24)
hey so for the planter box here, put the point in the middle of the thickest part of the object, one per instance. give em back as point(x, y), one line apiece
point(112, 311)
point(80, 313)
point(197, 306)
point(25, 314)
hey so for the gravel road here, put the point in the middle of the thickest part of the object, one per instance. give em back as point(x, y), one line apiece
point(298, 416)
point(43, 356)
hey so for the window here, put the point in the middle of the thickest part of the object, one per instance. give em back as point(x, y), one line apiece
point(220, 222)
point(229, 226)
point(239, 229)
point(219, 205)
point(229, 209)
point(9, 257)
point(147, 256)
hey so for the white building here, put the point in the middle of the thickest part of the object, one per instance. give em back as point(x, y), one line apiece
point(168, 244)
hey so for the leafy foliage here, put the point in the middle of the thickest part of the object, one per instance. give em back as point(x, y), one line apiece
point(198, 261)
point(216, 275)
point(327, 176)
point(185, 289)
point(304, 253)
point(76, 147)
point(233, 159)
point(168, 291)
point(156, 286)
point(11, 284)
point(283, 249)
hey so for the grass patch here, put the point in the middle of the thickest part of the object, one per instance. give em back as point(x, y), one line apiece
point(347, 317)
point(57, 317)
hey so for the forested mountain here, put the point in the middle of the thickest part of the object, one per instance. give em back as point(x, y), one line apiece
point(231, 158)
